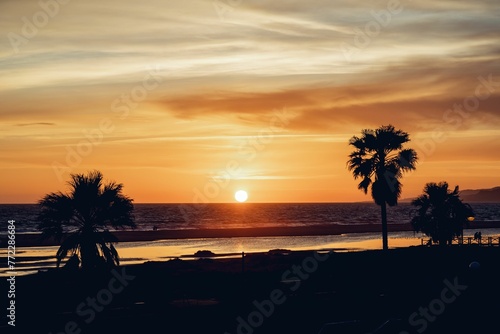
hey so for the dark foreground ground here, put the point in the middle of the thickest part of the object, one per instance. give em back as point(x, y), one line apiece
point(425, 290)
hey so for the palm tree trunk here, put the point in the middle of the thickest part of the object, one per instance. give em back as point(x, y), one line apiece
point(385, 243)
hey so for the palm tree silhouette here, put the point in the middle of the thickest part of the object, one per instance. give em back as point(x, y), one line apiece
point(82, 217)
point(380, 160)
point(441, 214)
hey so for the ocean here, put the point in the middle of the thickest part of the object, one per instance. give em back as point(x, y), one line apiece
point(212, 216)
point(240, 215)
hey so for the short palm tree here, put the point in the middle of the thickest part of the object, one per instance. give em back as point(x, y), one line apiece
point(380, 160)
point(80, 219)
point(441, 214)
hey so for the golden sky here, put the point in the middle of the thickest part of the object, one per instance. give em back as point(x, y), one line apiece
point(189, 101)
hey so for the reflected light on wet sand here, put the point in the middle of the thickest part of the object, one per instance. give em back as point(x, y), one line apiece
point(31, 259)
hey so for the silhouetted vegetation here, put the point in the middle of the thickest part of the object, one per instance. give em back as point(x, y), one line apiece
point(80, 219)
point(380, 160)
point(441, 213)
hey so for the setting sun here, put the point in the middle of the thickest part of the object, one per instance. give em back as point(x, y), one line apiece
point(241, 196)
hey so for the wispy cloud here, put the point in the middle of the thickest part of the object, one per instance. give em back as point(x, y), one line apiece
point(36, 124)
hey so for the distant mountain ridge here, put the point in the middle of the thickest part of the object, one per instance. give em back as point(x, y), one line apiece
point(491, 195)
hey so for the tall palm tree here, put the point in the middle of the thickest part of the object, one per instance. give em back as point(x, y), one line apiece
point(380, 161)
point(80, 219)
point(441, 214)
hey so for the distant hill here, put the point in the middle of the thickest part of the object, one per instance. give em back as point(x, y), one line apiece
point(474, 196)
point(481, 195)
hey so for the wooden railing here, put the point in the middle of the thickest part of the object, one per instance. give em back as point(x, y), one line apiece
point(483, 241)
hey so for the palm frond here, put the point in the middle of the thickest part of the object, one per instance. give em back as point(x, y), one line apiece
point(110, 254)
point(407, 160)
point(441, 213)
point(362, 168)
point(55, 212)
point(365, 184)
point(71, 243)
point(90, 206)
point(380, 152)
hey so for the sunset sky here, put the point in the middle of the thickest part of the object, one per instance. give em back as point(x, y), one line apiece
point(189, 101)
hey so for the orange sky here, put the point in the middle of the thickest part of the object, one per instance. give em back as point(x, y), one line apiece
point(187, 103)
